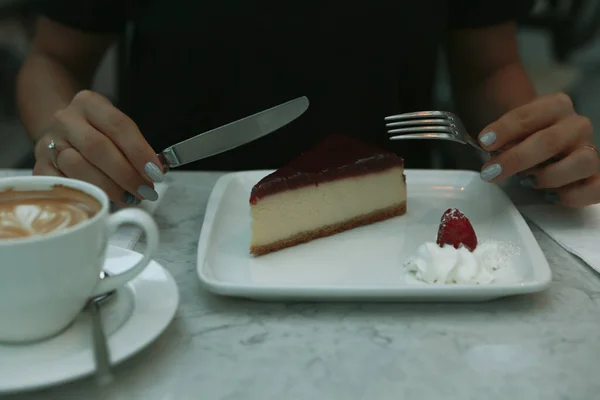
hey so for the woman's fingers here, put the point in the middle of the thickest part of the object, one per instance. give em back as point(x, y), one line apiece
point(579, 194)
point(553, 150)
point(523, 121)
point(75, 166)
point(582, 163)
point(122, 131)
point(46, 169)
point(102, 153)
point(550, 142)
point(97, 143)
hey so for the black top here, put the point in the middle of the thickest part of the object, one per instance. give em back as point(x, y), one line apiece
point(195, 65)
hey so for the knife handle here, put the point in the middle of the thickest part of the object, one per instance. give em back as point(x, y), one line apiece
point(163, 162)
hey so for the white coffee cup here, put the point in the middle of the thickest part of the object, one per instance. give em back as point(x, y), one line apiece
point(46, 280)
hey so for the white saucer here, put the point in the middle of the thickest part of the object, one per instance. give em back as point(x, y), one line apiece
point(136, 316)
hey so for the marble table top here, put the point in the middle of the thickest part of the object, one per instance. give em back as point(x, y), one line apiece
point(542, 346)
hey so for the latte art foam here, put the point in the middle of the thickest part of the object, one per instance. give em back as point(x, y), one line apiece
point(34, 219)
point(34, 213)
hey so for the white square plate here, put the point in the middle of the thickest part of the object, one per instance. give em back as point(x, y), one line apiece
point(365, 263)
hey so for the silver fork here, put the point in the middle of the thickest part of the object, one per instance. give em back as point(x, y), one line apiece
point(442, 125)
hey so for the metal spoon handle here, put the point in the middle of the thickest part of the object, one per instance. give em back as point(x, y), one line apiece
point(103, 372)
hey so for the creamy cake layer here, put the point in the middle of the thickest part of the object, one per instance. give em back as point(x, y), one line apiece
point(309, 208)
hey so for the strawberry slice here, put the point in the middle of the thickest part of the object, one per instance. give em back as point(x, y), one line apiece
point(456, 230)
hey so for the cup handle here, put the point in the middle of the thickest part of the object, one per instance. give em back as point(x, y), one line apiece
point(144, 221)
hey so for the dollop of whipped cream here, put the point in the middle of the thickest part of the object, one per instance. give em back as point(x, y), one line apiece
point(445, 265)
point(24, 220)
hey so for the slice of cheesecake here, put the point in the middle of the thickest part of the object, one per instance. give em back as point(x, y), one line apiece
point(341, 184)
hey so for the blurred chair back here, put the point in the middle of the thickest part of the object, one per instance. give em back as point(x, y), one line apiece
point(571, 23)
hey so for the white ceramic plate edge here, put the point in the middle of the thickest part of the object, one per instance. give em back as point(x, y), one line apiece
point(405, 293)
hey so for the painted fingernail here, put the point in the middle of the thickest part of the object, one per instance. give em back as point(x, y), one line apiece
point(154, 172)
point(130, 199)
point(490, 172)
point(529, 181)
point(488, 138)
point(551, 197)
point(147, 193)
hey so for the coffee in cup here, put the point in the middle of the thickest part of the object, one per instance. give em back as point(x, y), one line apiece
point(29, 213)
point(54, 235)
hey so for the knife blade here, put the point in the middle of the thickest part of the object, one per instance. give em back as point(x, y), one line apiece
point(232, 135)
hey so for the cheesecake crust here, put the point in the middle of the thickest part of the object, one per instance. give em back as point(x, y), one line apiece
point(366, 219)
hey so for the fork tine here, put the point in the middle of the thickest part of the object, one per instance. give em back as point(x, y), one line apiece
point(419, 114)
point(438, 136)
point(423, 129)
point(420, 122)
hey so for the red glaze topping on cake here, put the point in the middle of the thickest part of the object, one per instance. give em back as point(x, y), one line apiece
point(336, 157)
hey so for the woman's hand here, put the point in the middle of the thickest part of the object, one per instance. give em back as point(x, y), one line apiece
point(97, 143)
point(549, 146)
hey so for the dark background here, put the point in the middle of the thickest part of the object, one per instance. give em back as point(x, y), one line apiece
point(560, 46)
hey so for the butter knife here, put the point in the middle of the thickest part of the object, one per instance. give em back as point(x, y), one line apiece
point(232, 135)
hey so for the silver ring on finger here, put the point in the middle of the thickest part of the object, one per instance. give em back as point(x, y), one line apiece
point(53, 153)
